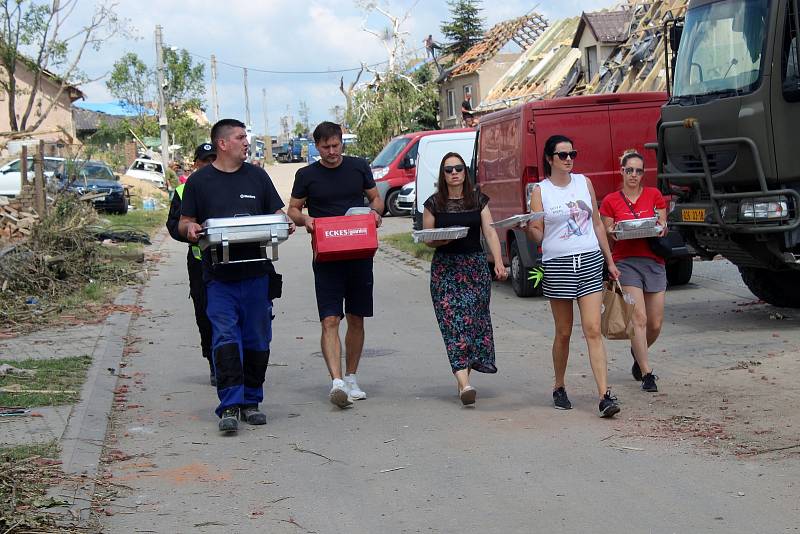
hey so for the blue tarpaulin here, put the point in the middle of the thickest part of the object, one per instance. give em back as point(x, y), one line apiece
point(119, 108)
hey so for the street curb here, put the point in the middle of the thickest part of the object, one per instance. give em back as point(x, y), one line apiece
point(83, 439)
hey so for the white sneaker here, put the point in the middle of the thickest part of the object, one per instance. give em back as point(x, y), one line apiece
point(339, 395)
point(355, 392)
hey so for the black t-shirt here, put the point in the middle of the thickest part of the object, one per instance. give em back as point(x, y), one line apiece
point(468, 106)
point(331, 192)
point(455, 214)
point(212, 193)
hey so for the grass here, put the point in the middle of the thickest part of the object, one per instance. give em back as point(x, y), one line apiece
point(145, 221)
point(57, 375)
point(406, 243)
point(17, 453)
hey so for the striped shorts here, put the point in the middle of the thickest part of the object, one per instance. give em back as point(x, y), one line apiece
point(572, 277)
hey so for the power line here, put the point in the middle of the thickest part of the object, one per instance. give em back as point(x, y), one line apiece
point(270, 71)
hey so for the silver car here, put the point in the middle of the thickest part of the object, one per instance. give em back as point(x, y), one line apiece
point(11, 174)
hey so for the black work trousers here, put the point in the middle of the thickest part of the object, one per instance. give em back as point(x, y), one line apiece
point(197, 290)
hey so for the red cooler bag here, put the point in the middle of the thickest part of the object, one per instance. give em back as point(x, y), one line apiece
point(350, 237)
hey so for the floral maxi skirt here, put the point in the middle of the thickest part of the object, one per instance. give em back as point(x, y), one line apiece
point(461, 287)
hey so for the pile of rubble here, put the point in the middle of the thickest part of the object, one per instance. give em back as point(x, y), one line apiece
point(16, 220)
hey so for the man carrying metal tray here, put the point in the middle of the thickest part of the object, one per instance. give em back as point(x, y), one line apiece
point(329, 188)
point(240, 289)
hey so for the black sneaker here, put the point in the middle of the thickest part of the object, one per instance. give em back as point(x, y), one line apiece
point(252, 416)
point(649, 383)
point(608, 406)
point(635, 370)
point(229, 421)
point(560, 399)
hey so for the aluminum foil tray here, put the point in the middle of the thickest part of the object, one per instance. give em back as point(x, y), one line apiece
point(439, 234)
point(222, 233)
point(516, 220)
point(637, 224)
point(639, 233)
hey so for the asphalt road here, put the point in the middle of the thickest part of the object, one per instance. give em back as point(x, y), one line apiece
point(410, 458)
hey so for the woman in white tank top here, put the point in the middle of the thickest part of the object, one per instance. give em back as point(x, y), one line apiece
point(574, 244)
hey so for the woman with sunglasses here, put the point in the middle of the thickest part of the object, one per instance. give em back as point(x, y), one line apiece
point(642, 272)
point(574, 243)
point(460, 280)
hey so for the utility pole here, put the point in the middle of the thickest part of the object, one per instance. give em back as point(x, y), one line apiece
point(214, 101)
point(246, 102)
point(267, 136)
point(162, 108)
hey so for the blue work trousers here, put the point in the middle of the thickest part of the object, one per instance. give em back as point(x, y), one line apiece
point(241, 321)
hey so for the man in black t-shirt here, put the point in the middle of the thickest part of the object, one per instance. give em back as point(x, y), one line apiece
point(328, 188)
point(239, 305)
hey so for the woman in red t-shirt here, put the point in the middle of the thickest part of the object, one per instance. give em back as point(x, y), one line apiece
point(642, 272)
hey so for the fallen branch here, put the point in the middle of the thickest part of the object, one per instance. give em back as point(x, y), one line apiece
point(298, 449)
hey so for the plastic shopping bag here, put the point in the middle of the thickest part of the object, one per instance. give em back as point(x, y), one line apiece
point(617, 313)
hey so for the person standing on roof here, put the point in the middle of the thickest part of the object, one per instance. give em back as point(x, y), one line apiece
point(203, 155)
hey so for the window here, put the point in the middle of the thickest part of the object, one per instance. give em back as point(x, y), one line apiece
point(789, 73)
point(591, 62)
point(467, 91)
point(451, 104)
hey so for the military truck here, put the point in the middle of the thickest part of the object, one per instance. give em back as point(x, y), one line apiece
point(727, 150)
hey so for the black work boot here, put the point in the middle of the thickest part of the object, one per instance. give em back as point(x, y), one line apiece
point(229, 420)
point(252, 416)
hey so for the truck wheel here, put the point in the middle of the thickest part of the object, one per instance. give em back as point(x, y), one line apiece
point(779, 288)
point(679, 272)
point(519, 275)
point(392, 208)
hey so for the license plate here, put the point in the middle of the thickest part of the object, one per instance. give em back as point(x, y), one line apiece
point(100, 199)
point(693, 215)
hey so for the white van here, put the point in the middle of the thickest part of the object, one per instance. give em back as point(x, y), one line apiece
point(432, 149)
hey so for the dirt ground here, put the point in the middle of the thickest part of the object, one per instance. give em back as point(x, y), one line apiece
point(749, 409)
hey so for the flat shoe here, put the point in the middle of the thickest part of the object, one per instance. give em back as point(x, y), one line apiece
point(468, 395)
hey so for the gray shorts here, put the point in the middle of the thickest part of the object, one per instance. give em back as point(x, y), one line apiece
point(645, 273)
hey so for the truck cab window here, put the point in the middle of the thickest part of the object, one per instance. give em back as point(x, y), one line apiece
point(790, 78)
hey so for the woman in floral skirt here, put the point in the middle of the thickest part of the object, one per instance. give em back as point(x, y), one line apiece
point(461, 281)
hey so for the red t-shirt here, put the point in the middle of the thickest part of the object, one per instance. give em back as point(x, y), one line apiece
point(614, 206)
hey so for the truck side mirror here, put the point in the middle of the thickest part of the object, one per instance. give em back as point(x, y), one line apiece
point(675, 33)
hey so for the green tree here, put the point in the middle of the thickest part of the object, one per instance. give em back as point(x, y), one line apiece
point(130, 82)
point(466, 27)
point(397, 104)
point(33, 34)
point(299, 130)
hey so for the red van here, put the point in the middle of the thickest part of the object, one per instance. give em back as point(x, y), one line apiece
point(508, 160)
point(395, 166)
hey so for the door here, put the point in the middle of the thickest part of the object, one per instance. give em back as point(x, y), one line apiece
point(633, 125)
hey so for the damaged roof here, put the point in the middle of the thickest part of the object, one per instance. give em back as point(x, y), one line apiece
point(637, 64)
point(608, 27)
point(524, 31)
point(542, 70)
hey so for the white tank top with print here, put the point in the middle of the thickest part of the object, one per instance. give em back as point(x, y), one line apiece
point(568, 228)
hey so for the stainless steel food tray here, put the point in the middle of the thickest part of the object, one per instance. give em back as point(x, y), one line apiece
point(439, 234)
point(222, 233)
point(516, 220)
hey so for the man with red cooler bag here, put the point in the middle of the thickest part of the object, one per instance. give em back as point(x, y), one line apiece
point(328, 188)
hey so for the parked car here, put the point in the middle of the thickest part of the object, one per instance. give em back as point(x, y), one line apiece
point(407, 197)
point(395, 166)
point(11, 174)
point(93, 178)
point(147, 169)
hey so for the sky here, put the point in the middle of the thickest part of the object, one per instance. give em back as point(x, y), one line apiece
point(282, 35)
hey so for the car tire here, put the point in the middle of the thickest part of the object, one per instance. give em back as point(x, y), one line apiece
point(392, 208)
point(679, 272)
point(779, 288)
point(519, 275)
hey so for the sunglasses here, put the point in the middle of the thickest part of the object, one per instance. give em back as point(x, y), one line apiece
point(632, 171)
point(572, 154)
point(453, 168)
